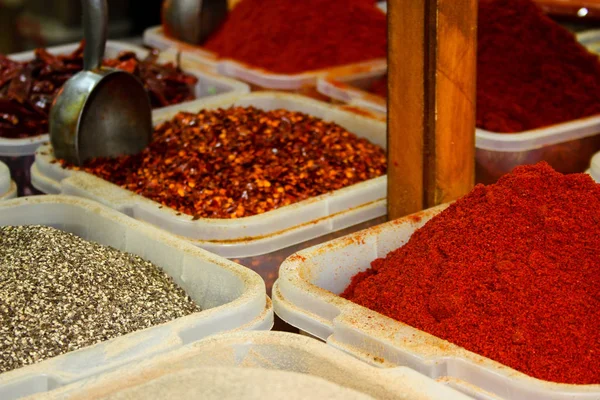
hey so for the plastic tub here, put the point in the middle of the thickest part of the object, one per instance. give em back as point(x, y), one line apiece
point(353, 89)
point(305, 296)
point(594, 169)
point(256, 76)
point(272, 351)
point(232, 297)
point(208, 84)
point(246, 237)
point(567, 147)
point(8, 188)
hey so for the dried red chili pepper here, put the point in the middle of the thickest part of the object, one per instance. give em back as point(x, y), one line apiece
point(242, 161)
point(511, 271)
point(291, 36)
point(27, 89)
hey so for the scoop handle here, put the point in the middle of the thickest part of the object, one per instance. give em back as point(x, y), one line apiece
point(95, 21)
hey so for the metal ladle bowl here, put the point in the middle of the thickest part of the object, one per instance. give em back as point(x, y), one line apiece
point(193, 21)
point(99, 112)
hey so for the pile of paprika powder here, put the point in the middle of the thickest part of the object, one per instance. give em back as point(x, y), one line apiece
point(531, 72)
point(511, 272)
point(292, 36)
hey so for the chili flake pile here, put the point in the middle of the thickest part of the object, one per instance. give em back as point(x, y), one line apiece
point(242, 161)
point(27, 89)
point(511, 272)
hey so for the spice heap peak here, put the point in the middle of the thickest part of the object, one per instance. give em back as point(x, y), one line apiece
point(293, 36)
point(511, 271)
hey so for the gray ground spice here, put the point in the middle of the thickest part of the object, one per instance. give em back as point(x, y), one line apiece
point(59, 293)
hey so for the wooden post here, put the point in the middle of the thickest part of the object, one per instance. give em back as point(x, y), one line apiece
point(431, 102)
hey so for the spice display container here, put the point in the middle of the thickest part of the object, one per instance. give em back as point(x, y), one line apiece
point(232, 297)
point(306, 296)
point(594, 169)
point(353, 89)
point(266, 352)
point(247, 237)
point(566, 147)
point(8, 188)
point(257, 77)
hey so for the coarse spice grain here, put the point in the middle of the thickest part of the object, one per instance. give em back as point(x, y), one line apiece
point(511, 271)
point(59, 293)
point(242, 161)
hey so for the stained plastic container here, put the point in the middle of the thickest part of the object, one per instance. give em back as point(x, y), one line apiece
point(594, 169)
point(353, 89)
point(306, 296)
point(262, 351)
point(232, 297)
point(245, 238)
point(567, 147)
point(258, 77)
point(8, 188)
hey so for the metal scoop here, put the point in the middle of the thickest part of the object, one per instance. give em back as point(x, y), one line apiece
point(99, 112)
point(193, 21)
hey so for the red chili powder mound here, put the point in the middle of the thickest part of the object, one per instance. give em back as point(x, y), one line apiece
point(292, 36)
point(511, 272)
point(531, 72)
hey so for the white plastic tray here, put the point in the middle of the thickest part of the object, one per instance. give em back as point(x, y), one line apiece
point(266, 351)
point(8, 188)
point(209, 84)
point(248, 236)
point(155, 37)
point(305, 296)
point(352, 88)
point(594, 170)
point(232, 297)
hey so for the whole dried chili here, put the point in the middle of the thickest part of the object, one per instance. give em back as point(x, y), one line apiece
point(511, 271)
point(27, 89)
point(291, 36)
point(242, 161)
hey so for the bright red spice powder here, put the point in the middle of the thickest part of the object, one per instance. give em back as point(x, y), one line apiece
point(531, 72)
point(292, 36)
point(511, 271)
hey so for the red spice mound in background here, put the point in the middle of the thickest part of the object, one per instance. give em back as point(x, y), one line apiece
point(291, 36)
point(531, 72)
point(511, 271)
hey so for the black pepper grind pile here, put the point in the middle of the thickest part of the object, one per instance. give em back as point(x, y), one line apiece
point(60, 293)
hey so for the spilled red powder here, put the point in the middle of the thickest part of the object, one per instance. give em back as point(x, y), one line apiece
point(511, 272)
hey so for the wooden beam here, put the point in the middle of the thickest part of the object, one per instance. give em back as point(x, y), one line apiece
point(431, 102)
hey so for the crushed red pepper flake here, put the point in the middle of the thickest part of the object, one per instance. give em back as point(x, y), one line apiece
point(242, 161)
point(27, 89)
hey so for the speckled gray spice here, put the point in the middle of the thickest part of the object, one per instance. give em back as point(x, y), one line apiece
point(59, 293)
